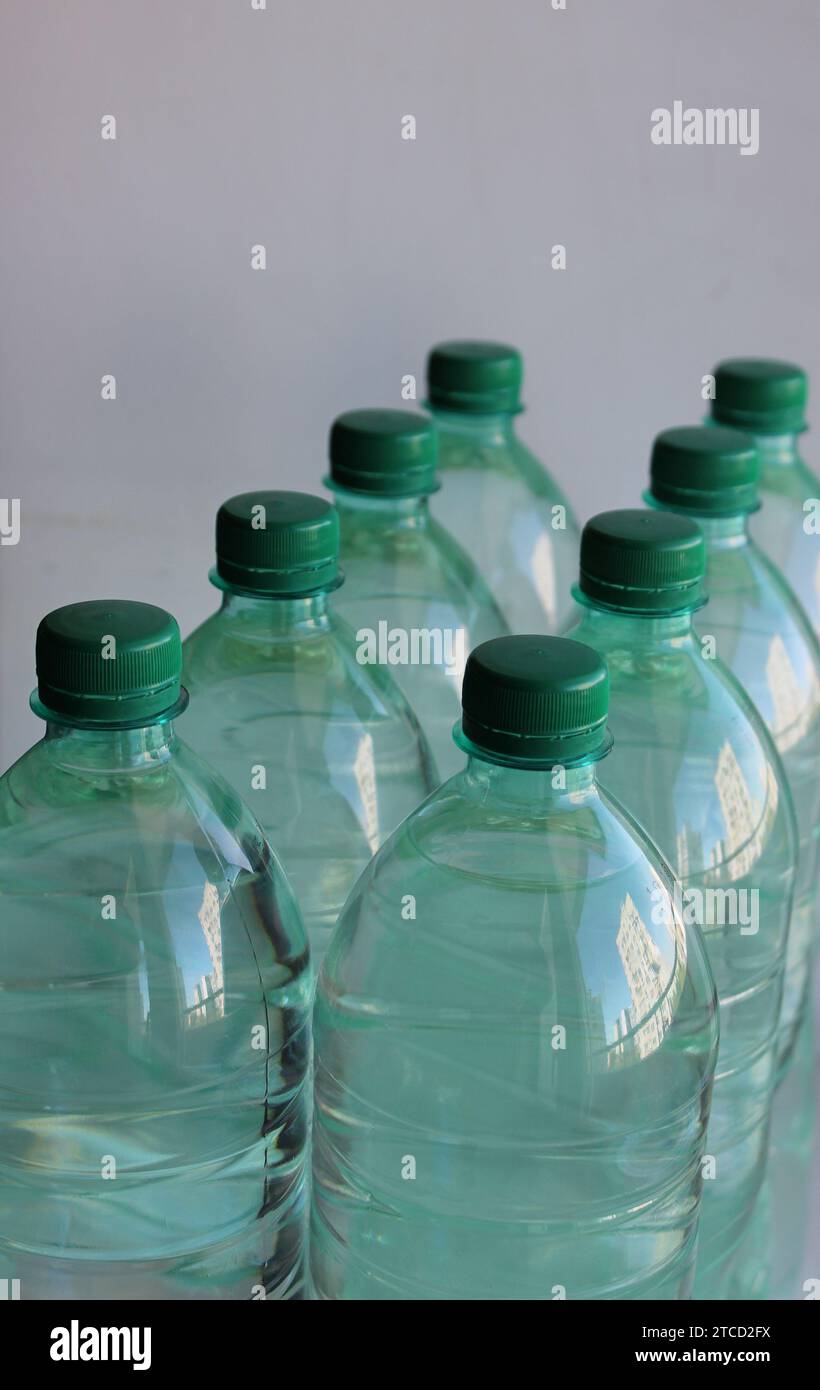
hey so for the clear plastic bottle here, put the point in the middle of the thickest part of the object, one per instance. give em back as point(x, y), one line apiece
point(414, 598)
point(325, 750)
point(767, 399)
point(694, 763)
point(156, 986)
point(763, 635)
point(495, 493)
point(515, 1033)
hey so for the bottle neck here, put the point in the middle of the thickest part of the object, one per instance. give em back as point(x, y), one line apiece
point(725, 532)
point(110, 749)
point(537, 788)
point(487, 430)
point(388, 513)
point(273, 616)
point(777, 450)
point(636, 629)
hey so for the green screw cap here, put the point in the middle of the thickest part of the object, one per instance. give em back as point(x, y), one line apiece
point(476, 377)
point(108, 662)
point(538, 699)
point(760, 395)
point(643, 561)
point(277, 544)
point(705, 469)
point(389, 453)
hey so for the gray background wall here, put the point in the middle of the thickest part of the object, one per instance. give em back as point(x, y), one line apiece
point(283, 127)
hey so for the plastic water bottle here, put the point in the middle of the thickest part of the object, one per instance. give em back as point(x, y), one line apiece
point(515, 1032)
point(767, 399)
point(414, 598)
point(763, 635)
point(495, 494)
point(325, 750)
point(155, 978)
point(695, 764)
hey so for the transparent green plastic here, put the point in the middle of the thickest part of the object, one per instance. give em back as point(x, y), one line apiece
point(416, 598)
point(501, 504)
point(694, 763)
point(326, 751)
point(506, 1105)
point(763, 635)
point(154, 1030)
point(786, 527)
point(771, 1256)
point(790, 1171)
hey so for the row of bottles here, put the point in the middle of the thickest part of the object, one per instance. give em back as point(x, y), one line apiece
point(564, 887)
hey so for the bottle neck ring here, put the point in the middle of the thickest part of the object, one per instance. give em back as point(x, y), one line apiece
point(553, 757)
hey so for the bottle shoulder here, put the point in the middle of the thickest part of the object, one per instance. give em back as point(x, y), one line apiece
point(156, 873)
point(417, 563)
point(743, 583)
point(692, 757)
point(564, 901)
point(677, 692)
point(762, 633)
point(505, 464)
point(323, 671)
point(796, 482)
point(174, 812)
point(462, 834)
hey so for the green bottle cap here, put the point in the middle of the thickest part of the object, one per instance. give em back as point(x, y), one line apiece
point(705, 469)
point(475, 377)
point(643, 561)
point(760, 395)
point(389, 453)
point(108, 662)
point(277, 544)
point(535, 699)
